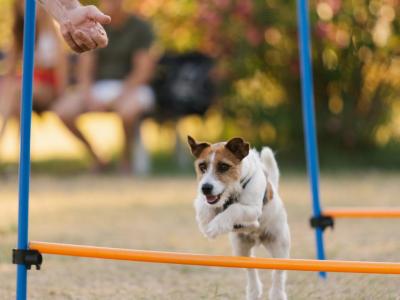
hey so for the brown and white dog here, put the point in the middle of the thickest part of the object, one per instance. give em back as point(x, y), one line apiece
point(238, 194)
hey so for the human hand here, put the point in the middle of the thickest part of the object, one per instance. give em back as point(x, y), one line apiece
point(82, 28)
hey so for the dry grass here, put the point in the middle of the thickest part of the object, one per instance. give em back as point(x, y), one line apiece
point(157, 214)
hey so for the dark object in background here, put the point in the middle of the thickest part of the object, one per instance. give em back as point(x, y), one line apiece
point(183, 85)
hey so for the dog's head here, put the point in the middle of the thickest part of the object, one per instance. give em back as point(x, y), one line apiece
point(218, 168)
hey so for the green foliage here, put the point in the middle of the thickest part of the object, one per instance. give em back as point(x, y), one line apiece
point(356, 64)
point(355, 58)
point(5, 22)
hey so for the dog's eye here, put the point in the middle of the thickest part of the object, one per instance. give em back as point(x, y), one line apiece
point(223, 167)
point(203, 167)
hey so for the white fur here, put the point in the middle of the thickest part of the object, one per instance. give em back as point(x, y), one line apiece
point(263, 224)
point(209, 177)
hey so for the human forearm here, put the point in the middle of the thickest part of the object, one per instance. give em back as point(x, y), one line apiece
point(11, 63)
point(86, 71)
point(143, 70)
point(136, 79)
point(58, 8)
point(62, 77)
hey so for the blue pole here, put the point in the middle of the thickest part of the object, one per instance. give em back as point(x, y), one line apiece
point(25, 144)
point(310, 135)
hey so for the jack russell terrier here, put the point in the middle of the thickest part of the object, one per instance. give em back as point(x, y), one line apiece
point(238, 194)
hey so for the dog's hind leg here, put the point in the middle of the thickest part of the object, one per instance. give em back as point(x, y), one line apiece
point(279, 248)
point(242, 246)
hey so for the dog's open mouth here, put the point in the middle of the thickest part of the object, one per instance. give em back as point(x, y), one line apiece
point(212, 199)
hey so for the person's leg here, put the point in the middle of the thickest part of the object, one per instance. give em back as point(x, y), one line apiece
point(9, 103)
point(130, 120)
point(68, 109)
point(4, 120)
point(43, 95)
point(130, 109)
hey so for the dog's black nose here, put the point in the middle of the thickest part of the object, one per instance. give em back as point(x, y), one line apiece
point(206, 188)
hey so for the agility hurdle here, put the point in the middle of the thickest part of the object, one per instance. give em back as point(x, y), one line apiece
point(216, 260)
point(27, 255)
point(381, 213)
point(25, 142)
point(321, 219)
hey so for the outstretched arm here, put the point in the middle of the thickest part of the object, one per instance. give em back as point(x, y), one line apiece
point(80, 25)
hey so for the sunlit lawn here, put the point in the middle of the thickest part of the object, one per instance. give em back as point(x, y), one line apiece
point(157, 214)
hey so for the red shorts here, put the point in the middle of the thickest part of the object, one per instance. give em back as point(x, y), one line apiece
point(45, 76)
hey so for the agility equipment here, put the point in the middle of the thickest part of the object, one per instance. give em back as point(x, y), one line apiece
point(30, 254)
point(215, 260)
point(321, 219)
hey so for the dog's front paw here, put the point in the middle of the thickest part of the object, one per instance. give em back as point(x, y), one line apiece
point(214, 229)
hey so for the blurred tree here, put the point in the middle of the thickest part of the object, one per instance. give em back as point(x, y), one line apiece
point(356, 61)
point(356, 64)
point(5, 23)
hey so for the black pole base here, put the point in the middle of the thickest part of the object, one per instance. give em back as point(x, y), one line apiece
point(28, 258)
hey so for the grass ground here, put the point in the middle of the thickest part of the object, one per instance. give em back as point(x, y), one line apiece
point(157, 214)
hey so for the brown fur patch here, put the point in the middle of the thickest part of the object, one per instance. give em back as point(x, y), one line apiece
point(222, 155)
point(204, 157)
point(197, 148)
point(238, 147)
point(270, 192)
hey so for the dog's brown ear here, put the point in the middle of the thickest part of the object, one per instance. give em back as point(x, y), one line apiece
point(238, 147)
point(195, 147)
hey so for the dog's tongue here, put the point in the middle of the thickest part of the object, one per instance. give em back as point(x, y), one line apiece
point(211, 198)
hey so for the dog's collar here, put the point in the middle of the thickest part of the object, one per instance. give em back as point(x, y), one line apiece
point(245, 181)
point(234, 198)
point(231, 200)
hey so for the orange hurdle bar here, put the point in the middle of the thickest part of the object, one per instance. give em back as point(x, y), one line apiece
point(216, 261)
point(362, 213)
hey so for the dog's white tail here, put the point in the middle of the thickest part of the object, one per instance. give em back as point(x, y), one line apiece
point(269, 161)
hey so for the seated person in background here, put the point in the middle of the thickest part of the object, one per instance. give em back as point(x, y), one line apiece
point(50, 73)
point(114, 79)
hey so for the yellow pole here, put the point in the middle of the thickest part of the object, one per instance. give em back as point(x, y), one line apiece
point(362, 213)
point(216, 261)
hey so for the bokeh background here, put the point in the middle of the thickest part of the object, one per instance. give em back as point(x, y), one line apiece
point(356, 60)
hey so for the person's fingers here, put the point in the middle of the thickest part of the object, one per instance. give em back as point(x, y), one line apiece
point(96, 15)
point(84, 40)
point(74, 46)
point(99, 35)
point(87, 34)
point(66, 33)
